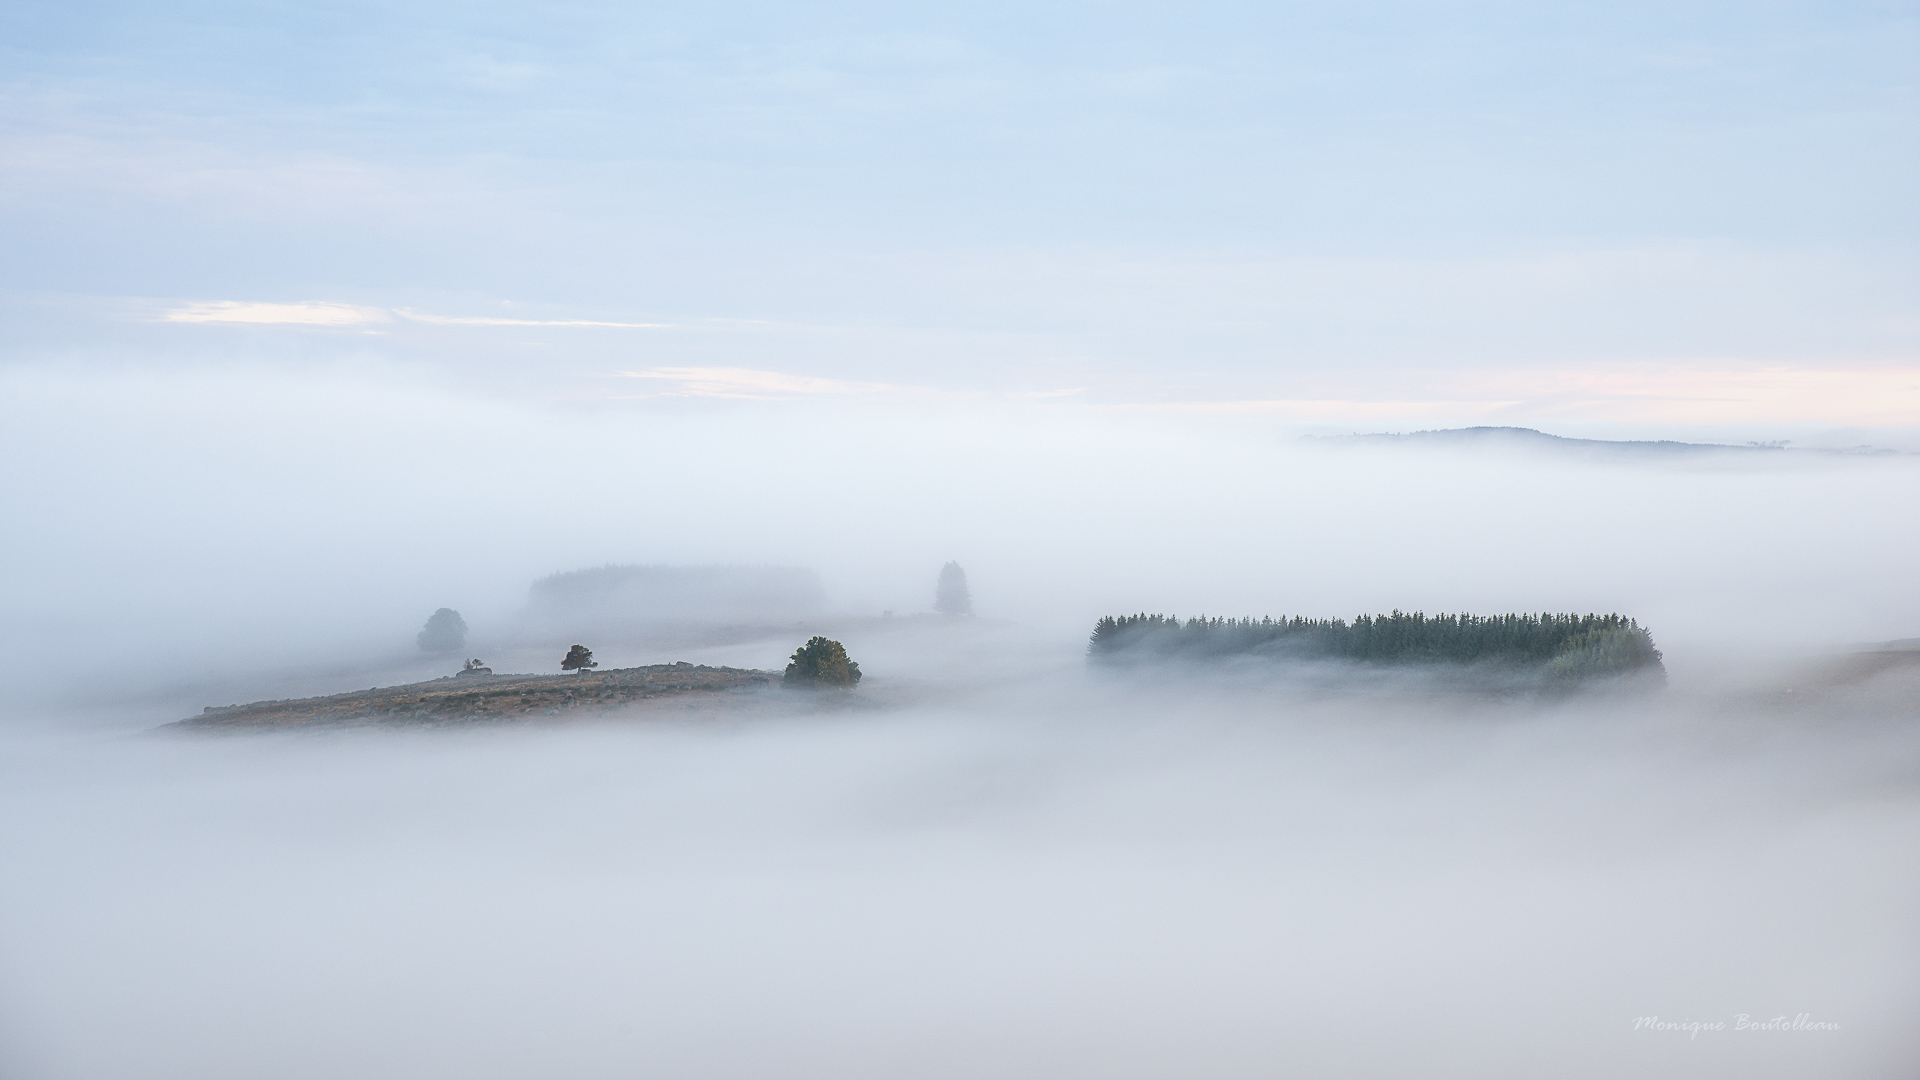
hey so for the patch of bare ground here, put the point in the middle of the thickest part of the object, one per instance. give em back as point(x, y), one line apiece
point(661, 689)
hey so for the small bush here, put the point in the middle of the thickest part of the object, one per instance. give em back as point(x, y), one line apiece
point(821, 663)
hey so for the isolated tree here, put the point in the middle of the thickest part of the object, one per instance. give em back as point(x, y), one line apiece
point(821, 663)
point(445, 632)
point(952, 596)
point(579, 658)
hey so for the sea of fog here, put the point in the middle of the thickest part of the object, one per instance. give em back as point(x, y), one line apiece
point(988, 860)
point(1059, 874)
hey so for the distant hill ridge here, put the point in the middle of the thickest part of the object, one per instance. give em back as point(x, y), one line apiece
point(1531, 439)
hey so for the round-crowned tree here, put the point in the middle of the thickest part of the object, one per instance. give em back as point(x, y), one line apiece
point(445, 632)
point(821, 662)
point(951, 596)
point(578, 658)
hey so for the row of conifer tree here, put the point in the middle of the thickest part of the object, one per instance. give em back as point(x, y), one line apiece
point(1610, 642)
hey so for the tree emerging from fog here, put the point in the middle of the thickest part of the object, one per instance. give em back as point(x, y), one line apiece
point(821, 662)
point(578, 658)
point(1571, 647)
point(445, 632)
point(951, 596)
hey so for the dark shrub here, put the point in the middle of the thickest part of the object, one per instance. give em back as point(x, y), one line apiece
point(821, 663)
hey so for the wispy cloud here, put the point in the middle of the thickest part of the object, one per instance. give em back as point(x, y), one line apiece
point(1713, 394)
point(747, 383)
point(311, 313)
point(450, 320)
point(1643, 394)
point(324, 313)
point(1329, 408)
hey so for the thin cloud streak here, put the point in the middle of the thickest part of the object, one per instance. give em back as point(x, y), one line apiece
point(324, 313)
point(1699, 395)
point(1888, 397)
point(1692, 396)
point(313, 313)
point(449, 320)
point(750, 384)
point(1324, 409)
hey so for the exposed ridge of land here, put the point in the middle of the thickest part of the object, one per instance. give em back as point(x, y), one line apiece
point(465, 699)
point(1532, 439)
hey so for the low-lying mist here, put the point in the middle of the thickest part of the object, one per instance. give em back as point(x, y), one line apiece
point(1029, 872)
point(990, 858)
point(184, 526)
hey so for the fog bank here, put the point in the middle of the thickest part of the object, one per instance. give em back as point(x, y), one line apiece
point(1049, 875)
point(987, 858)
point(184, 528)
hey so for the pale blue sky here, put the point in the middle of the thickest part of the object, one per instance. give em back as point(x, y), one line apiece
point(1208, 202)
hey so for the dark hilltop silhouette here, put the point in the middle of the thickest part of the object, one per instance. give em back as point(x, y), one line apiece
point(1528, 439)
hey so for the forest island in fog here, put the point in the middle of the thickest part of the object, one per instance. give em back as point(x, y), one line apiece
point(639, 612)
point(1544, 652)
point(1551, 650)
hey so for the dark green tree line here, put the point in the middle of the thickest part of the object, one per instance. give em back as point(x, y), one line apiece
point(1580, 646)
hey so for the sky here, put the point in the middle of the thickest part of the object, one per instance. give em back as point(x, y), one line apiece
point(1678, 218)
